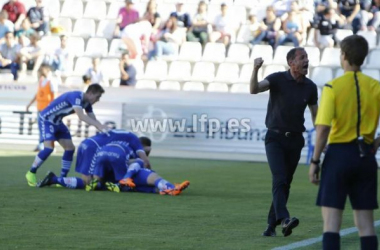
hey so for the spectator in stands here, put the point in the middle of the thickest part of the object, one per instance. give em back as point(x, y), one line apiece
point(96, 74)
point(374, 11)
point(127, 71)
point(293, 29)
point(39, 18)
point(199, 30)
point(26, 30)
point(307, 9)
point(224, 27)
point(269, 28)
point(5, 25)
point(152, 16)
point(16, 12)
point(10, 55)
point(351, 10)
point(183, 18)
point(127, 15)
point(324, 34)
point(61, 58)
point(163, 42)
point(32, 55)
point(281, 7)
point(249, 30)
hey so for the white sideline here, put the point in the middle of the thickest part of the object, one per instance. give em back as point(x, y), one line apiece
point(311, 241)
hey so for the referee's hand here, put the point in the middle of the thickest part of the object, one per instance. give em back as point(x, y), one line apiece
point(257, 63)
point(314, 173)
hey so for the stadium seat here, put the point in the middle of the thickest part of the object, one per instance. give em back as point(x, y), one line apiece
point(156, 70)
point(95, 10)
point(310, 37)
point(97, 47)
point(74, 80)
point(263, 51)
point(179, 71)
point(214, 52)
point(203, 72)
point(314, 55)
point(374, 73)
point(106, 28)
point(193, 86)
point(321, 75)
point(339, 72)
point(342, 33)
point(6, 77)
point(116, 48)
point(169, 85)
point(270, 69)
point(249, 4)
point(54, 7)
point(241, 88)
point(114, 8)
point(373, 59)
point(115, 83)
point(110, 67)
point(227, 72)
point(66, 24)
point(238, 53)
point(370, 36)
point(75, 45)
point(146, 84)
point(219, 2)
point(28, 4)
point(165, 9)
point(50, 43)
point(190, 51)
point(72, 9)
point(217, 87)
point(239, 14)
point(280, 55)
point(246, 73)
point(330, 57)
point(84, 28)
point(82, 65)
point(244, 35)
point(139, 65)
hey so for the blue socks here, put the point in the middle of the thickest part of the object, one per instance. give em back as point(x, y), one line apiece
point(69, 182)
point(40, 158)
point(162, 184)
point(67, 159)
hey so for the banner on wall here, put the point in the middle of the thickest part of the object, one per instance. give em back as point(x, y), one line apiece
point(180, 124)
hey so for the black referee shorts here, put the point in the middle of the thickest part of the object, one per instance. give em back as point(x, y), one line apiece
point(345, 173)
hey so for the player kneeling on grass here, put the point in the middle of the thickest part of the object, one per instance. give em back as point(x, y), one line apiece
point(53, 129)
point(113, 166)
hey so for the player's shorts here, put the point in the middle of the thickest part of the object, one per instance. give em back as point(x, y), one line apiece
point(111, 158)
point(345, 173)
point(141, 177)
point(86, 156)
point(53, 132)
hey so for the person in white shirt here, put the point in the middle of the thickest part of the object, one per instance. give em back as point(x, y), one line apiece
point(224, 27)
point(95, 73)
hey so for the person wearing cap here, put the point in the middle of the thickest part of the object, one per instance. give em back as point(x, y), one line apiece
point(183, 18)
point(127, 15)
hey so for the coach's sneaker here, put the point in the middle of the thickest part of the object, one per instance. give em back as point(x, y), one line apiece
point(92, 186)
point(31, 178)
point(269, 232)
point(127, 182)
point(113, 187)
point(288, 225)
point(48, 180)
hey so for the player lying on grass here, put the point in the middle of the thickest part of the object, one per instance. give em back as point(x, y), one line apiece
point(53, 129)
point(113, 166)
point(87, 154)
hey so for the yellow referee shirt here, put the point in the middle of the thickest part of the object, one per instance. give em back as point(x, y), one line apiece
point(339, 107)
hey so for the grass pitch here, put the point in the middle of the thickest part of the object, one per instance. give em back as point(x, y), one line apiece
point(225, 207)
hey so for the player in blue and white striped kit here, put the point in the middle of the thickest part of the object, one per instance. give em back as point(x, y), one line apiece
point(53, 128)
point(87, 155)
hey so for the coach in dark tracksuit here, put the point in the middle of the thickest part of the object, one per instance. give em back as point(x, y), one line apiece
point(290, 93)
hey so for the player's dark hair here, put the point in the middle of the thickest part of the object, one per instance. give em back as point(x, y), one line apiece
point(95, 88)
point(292, 54)
point(355, 49)
point(145, 141)
point(326, 11)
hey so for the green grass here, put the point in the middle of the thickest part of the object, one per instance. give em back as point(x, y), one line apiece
point(225, 207)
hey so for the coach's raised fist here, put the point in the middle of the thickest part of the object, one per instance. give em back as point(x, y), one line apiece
point(258, 63)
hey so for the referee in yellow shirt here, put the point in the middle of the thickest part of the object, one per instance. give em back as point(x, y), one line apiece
point(347, 120)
